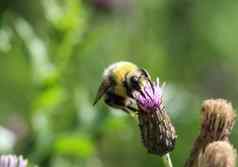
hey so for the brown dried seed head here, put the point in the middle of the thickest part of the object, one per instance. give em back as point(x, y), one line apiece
point(218, 119)
point(218, 154)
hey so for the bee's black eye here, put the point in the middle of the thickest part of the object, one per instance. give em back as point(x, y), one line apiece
point(134, 79)
point(134, 82)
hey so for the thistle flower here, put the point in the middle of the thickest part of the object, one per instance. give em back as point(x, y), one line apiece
point(150, 98)
point(157, 131)
point(12, 161)
point(218, 119)
point(218, 154)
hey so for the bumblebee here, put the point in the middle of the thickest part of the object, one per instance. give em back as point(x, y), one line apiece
point(118, 83)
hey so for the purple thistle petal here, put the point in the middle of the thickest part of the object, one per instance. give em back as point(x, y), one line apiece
point(150, 97)
point(5, 161)
point(22, 162)
point(12, 161)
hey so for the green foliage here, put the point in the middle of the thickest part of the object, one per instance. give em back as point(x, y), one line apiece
point(53, 53)
point(80, 146)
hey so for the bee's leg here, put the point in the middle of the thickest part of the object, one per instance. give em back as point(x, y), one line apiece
point(119, 102)
point(132, 108)
point(131, 104)
point(116, 104)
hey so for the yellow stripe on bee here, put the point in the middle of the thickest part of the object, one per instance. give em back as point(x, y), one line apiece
point(119, 74)
point(122, 69)
point(120, 90)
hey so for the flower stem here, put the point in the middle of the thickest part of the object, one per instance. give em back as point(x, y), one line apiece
point(167, 160)
point(134, 116)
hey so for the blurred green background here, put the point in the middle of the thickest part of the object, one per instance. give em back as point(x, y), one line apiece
point(52, 55)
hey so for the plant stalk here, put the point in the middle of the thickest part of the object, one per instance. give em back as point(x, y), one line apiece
point(167, 160)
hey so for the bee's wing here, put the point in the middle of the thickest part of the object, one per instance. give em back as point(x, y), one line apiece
point(105, 85)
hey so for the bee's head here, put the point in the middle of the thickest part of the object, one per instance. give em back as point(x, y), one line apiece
point(136, 80)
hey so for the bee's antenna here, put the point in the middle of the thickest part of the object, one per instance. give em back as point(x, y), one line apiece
point(151, 84)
